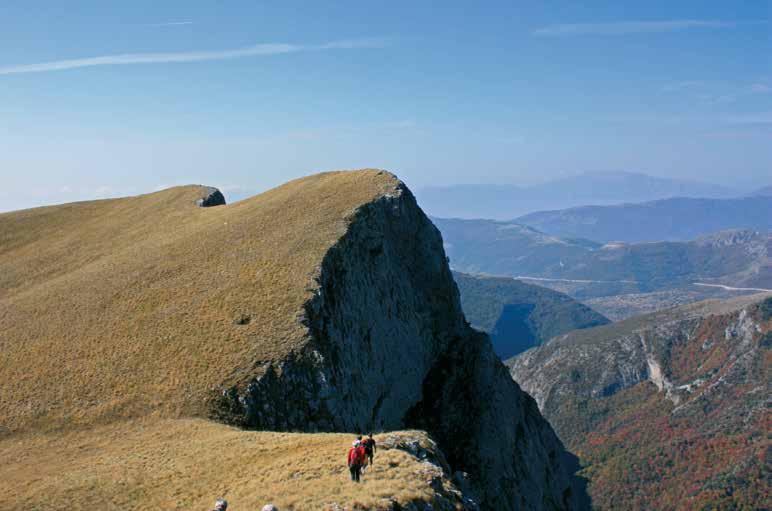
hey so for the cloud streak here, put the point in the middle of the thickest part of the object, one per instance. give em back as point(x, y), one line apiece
point(169, 24)
point(258, 50)
point(627, 27)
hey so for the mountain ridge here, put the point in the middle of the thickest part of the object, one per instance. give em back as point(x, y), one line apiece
point(671, 219)
point(325, 304)
point(504, 202)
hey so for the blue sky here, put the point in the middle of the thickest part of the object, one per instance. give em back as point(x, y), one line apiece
point(99, 99)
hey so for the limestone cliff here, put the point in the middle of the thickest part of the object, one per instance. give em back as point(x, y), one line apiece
point(667, 411)
point(389, 348)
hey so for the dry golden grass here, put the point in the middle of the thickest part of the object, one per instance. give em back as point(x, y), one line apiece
point(125, 308)
point(118, 320)
point(187, 463)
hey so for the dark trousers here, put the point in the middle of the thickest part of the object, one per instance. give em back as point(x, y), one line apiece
point(356, 471)
point(370, 457)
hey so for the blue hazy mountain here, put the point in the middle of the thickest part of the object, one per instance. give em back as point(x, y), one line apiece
point(676, 219)
point(505, 202)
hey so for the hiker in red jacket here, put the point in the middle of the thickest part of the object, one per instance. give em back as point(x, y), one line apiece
point(356, 459)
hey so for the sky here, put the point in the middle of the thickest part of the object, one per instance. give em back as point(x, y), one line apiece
point(104, 99)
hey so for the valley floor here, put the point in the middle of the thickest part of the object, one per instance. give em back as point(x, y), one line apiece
point(187, 463)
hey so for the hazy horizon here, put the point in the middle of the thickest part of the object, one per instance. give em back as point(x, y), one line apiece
point(113, 100)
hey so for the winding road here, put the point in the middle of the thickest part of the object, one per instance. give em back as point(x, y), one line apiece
point(703, 284)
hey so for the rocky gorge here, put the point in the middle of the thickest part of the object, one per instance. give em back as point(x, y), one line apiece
point(667, 410)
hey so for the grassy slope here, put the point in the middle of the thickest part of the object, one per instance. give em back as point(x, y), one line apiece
point(127, 307)
point(187, 463)
point(118, 318)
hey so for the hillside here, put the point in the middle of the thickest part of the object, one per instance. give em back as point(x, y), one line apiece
point(186, 463)
point(504, 202)
point(762, 192)
point(667, 411)
point(617, 279)
point(734, 258)
point(675, 219)
point(518, 316)
point(506, 248)
point(325, 304)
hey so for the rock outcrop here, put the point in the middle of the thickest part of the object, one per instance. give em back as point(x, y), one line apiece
point(211, 197)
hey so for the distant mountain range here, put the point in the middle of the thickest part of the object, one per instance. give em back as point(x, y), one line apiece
point(667, 411)
point(675, 219)
point(762, 192)
point(506, 248)
point(738, 258)
point(504, 202)
point(617, 279)
point(518, 316)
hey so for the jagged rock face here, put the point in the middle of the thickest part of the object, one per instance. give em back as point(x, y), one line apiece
point(659, 395)
point(451, 491)
point(598, 369)
point(212, 197)
point(389, 348)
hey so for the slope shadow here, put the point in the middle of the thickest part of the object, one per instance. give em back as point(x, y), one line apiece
point(582, 500)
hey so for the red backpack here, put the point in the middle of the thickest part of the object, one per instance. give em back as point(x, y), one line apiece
point(361, 456)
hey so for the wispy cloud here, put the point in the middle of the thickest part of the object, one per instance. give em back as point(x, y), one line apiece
point(194, 56)
point(751, 119)
point(760, 88)
point(169, 24)
point(683, 85)
point(736, 93)
point(628, 27)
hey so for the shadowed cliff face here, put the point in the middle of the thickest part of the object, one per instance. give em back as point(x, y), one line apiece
point(389, 348)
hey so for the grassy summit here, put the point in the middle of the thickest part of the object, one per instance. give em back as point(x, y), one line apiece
point(142, 305)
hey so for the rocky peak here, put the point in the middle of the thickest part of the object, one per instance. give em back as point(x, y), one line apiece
point(389, 348)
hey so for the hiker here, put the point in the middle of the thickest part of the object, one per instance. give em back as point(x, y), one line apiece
point(369, 445)
point(220, 505)
point(356, 458)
